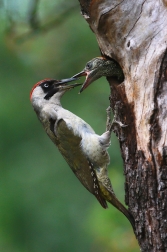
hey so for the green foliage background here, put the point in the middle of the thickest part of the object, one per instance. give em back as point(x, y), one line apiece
point(43, 207)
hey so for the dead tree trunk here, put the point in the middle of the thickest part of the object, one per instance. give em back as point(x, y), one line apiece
point(134, 33)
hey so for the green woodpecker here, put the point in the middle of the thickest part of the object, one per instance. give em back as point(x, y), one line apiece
point(99, 67)
point(84, 150)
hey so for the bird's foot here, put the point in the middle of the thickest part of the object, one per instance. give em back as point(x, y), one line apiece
point(120, 123)
point(109, 124)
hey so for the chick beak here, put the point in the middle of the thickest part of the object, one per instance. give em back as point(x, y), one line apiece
point(88, 81)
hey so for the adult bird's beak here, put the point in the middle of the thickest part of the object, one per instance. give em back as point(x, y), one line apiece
point(89, 78)
point(63, 84)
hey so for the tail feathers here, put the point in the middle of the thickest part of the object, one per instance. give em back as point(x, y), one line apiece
point(115, 202)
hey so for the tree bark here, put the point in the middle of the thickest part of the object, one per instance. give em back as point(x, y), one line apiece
point(135, 35)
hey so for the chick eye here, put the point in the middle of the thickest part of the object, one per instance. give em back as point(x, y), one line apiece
point(46, 85)
point(88, 65)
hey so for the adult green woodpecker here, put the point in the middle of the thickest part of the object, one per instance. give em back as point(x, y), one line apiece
point(99, 67)
point(84, 150)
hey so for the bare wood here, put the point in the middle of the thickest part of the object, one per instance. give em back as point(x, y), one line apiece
point(135, 34)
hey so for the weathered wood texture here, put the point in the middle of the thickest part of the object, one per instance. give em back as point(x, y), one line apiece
point(135, 34)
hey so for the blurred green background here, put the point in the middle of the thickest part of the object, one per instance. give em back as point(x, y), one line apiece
point(43, 207)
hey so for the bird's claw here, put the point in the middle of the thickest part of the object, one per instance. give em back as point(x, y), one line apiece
point(120, 124)
point(109, 124)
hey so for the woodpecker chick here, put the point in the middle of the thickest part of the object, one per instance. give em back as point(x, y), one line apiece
point(99, 67)
point(84, 150)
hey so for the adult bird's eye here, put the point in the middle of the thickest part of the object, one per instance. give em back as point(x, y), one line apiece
point(46, 85)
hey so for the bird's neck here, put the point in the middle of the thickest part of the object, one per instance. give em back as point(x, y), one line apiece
point(55, 102)
point(40, 105)
point(115, 71)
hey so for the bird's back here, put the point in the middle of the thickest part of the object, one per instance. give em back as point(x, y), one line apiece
point(69, 146)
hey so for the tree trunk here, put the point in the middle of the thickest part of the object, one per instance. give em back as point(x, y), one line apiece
point(135, 35)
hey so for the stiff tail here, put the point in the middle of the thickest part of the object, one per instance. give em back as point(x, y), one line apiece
point(115, 202)
point(109, 195)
